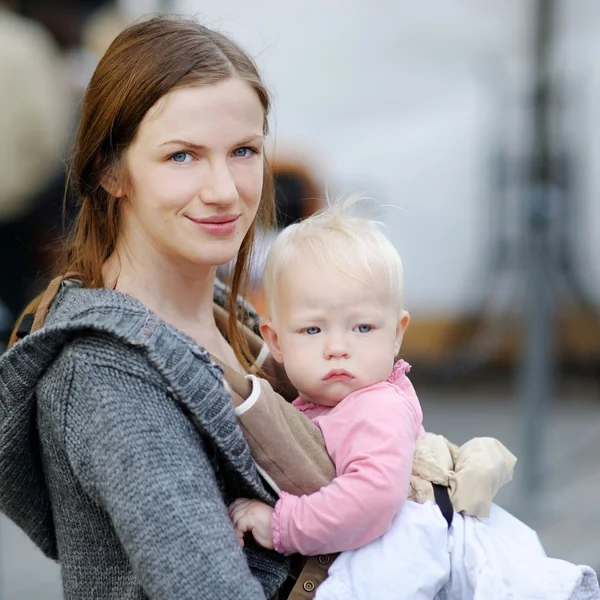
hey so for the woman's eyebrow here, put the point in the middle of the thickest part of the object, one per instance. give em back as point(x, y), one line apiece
point(180, 142)
point(183, 143)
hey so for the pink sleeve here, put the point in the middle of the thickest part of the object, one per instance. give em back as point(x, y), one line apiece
point(371, 438)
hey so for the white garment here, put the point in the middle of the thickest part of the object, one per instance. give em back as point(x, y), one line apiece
point(497, 558)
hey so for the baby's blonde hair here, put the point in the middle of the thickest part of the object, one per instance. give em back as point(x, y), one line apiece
point(336, 238)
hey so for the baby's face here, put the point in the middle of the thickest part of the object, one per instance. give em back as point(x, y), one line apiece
point(334, 334)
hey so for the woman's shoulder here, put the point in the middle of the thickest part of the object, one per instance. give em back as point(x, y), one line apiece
point(98, 378)
point(95, 329)
point(76, 303)
point(91, 350)
point(91, 363)
point(90, 330)
point(120, 320)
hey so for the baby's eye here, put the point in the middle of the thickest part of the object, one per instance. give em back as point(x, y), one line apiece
point(363, 328)
point(181, 157)
point(312, 330)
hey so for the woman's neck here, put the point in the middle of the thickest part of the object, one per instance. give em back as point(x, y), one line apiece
point(179, 294)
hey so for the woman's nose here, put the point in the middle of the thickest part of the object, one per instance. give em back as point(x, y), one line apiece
point(218, 185)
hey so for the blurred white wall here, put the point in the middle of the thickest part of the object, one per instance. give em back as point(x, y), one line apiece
point(405, 101)
point(578, 60)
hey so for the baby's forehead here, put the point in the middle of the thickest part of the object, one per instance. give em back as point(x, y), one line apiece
point(310, 284)
point(305, 265)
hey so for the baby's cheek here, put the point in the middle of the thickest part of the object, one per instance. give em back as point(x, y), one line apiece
point(303, 373)
point(380, 368)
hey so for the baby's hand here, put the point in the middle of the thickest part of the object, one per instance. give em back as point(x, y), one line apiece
point(252, 516)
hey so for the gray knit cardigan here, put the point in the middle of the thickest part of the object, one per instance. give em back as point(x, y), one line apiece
point(119, 452)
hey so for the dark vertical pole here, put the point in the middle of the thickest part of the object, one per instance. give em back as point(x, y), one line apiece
point(537, 367)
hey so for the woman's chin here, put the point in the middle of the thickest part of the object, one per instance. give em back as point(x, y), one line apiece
point(214, 256)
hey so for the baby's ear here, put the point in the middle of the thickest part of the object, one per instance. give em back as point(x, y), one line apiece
point(269, 334)
point(400, 329)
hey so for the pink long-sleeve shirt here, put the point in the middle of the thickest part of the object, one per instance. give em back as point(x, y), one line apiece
point(370, 437)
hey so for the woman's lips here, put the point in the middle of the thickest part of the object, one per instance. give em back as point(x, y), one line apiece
point(220, 225)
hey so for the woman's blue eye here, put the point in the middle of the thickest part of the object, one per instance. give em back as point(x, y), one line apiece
point(364, 328)
point(243, 152)
point(312, 330)
point(181, 157)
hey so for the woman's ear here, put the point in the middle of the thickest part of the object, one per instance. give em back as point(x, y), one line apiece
point(111, 185)
point(400, 329)
point(269, 334)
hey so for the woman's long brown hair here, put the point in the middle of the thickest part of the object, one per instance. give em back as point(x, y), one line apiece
point(145, 62)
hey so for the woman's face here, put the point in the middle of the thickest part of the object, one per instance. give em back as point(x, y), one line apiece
point(195, 174)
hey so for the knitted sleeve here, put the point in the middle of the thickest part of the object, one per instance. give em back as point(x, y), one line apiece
point(143, 462)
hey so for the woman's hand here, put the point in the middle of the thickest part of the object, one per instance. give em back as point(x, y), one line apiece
point(252, 516)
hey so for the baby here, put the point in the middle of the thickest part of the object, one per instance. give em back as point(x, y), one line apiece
point(336, 319)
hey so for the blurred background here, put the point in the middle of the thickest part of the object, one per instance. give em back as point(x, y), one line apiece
point(471, 124)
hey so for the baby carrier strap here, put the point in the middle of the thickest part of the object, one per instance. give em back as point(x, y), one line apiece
point(32, 321)
point(442, 499)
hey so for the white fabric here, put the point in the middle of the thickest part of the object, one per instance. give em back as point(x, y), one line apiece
point(251, 400)
point(268, 479)
point(262, 356)
point(497, 558)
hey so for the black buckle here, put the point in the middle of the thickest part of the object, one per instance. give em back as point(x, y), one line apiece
point(442, 499)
